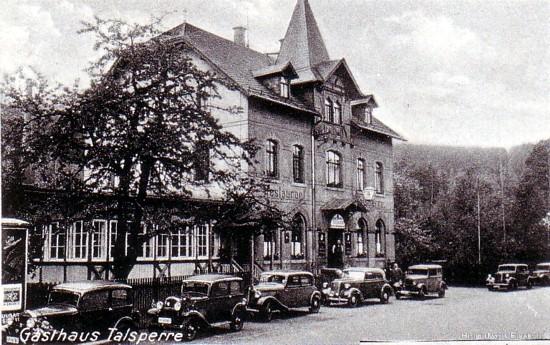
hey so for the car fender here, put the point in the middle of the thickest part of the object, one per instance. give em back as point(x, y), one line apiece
point(125, 319)
point(388, 288)
point(238, 306)
point(193, 314)
point(275, 301)
point(353, 290)
point(314, 294)
point(422, 286)
point(443, 285)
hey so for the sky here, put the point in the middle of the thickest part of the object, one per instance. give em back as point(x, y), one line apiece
point(467, 73)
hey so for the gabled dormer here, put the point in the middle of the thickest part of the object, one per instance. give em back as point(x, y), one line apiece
point(277, 78)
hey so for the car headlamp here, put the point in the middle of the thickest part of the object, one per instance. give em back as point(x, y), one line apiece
point(177, 306)
point(10, 321)
point(347, 285)
point(159, 305)
point(489, 276)
point(30, 322)
point(325, 285)
point(507, 275)
point(257, 294)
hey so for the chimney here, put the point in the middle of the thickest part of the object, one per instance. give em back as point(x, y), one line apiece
point(239, 35)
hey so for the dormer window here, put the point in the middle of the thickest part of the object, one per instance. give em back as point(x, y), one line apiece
point(368, 114)
point(329, 114)
point(337, 113)
point(284, 85)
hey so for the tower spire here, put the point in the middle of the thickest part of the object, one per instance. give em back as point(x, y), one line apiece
point(303, 44)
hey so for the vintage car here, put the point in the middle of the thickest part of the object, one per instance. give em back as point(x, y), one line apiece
point(327, 275)
point(91, 306)
point(279, 291)
point(541, 274)
point(209, 300)
point(510, 277)
point(422, 280)
point(357, 285)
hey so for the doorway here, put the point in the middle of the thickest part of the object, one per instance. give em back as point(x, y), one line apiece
point(335, 255)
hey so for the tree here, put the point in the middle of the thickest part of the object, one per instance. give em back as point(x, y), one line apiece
point(143, 128)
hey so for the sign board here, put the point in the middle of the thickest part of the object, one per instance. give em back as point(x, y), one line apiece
point(14, 265)
point(368, 193)
point(337, 222)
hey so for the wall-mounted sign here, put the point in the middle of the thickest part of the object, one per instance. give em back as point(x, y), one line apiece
point(337, 222)
point(368, 193)
point(347, 242)
point(286, 194)
point(287, 237)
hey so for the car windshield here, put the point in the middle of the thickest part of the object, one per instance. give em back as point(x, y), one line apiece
point(272, 278)
point(63, 297)
point(194, 288)
point(418, 271)
point(543, 267)
point(506, 268)
point(354, 274)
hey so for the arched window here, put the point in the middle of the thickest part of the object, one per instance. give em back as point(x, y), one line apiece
point(360, 174)
point(361, 237)
point(379, 236)
point(329, 110)
point(298, 230)
point(337, 113)
point(271, 159)
point(379, 178)
point(334, 169)
point(298, 163)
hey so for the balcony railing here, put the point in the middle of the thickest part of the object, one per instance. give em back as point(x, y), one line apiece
point(329, 130)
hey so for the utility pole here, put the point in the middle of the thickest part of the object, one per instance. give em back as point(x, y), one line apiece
point(503, 207)
point(478, 224)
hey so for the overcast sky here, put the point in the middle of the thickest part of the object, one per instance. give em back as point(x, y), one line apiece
point(474, 73)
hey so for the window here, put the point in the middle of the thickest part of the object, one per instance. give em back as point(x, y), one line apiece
point(202, 162)
point(380, 232)
point(298, 163)
point(57, 241)
point(113, 233)
point(235, 288)
point(379, 178)
point(95, 300)
point(368, 114)
point(298, 229)
point(79, 241)
point(271, 161)
point(148, 243)
point(220, 289)
point(269, 245)
point(305, 280)
point(181, 243)
point(202, 240)
point(162, 245)
point(99, 234)
point(360, 174)
point(329, 110)
point(119, 298)
point(334, 169)
point(361, 237)
point(294, 280)
point(337, 113)
point(284, 87)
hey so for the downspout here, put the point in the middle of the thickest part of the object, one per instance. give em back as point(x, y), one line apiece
point(314, 252)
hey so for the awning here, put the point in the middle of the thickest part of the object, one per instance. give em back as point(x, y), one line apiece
point(343, 204)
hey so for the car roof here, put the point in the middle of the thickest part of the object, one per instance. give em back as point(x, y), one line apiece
point(287, 272)
point(425, 266)
point(512, 265)
point(211, 278)
point(365, 269)
point(90, 285)
point(544, 263)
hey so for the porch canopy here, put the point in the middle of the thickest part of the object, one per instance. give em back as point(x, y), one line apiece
point(344, 205)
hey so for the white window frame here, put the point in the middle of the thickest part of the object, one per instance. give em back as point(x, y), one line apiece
point(177, 242)
point(101, 242)
point(360, 174)
point(83, 243)
point(379, 178)
point(160, 238)
point(57, 246)
point(147, 245)
point(202, 240)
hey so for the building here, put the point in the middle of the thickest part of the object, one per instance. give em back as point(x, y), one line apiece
point(328, 159)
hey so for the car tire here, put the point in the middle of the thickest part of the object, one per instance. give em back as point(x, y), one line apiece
point(315, 305)
point(397, 295)
point(190, 330)
point(353, 300)
point(237, 321)
point(546, 281)
point(267, 312)
point(529, 284)
point(441, 293)
point(422, 294)
point(490, 288)
point(384, 296)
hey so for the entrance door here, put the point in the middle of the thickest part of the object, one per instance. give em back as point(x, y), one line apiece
point(242, 249)
point(335, 255)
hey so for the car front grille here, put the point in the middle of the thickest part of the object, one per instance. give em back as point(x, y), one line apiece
point(499, 278)
point(335, 286)
point(409, 282)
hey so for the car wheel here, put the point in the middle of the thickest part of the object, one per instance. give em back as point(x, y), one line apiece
point(267, 312)
point(441, 293)
point(490, 288)
point(326, 302)
point(385, 296)
point(353, 301)
point(529, 284)
point(190, 329)
point(315, 305)
point(422, 293)
point(237, 321)
point(397, 295)
point(546, 281)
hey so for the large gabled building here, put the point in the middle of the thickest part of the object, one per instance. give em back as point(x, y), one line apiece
point(328, 160)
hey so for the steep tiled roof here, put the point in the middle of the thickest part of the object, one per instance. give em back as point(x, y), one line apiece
point(378, 127)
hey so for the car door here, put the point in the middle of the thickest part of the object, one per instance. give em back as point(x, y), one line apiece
point(290, 295)
point(307, 288)
point(94, 311)
point(236, 293)
point(121, 304)
point(522, 274)
point(432, 280)
point(218, 301)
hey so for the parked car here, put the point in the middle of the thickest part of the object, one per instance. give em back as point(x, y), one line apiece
point(283, 290)
point(541, 274)
point(91, 306)
point(510, 277)
point(206, 301)
point(357, 285)
point(327, 275)
point(422, 280)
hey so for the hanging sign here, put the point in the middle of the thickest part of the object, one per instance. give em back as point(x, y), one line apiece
point(337, 222)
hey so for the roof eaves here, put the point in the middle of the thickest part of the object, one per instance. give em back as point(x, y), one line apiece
point(390, 133)
point(258, 94)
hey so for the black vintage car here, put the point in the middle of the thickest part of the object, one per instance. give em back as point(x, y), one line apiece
point(510, 277)
point(421, 281)
point(92, 307)
point(282, 290)
point(357, 285)
point(206, 301)
point(541, 274)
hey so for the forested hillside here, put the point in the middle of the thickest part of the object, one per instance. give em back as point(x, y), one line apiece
point(471, 207)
